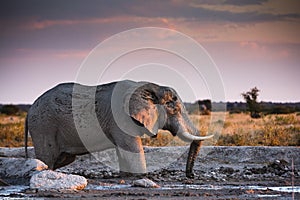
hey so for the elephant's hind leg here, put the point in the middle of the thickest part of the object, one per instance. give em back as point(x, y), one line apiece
point(64, 159)
point(46, 158)
point(46, 147)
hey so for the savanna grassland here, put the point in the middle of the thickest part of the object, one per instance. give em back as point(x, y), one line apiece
point(238, 130)
point(12, 130)
point(241, 130)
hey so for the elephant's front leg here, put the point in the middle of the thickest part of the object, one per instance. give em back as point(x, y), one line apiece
point(131, 155)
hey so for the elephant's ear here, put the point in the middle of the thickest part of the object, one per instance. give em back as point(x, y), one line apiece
point(143, 107)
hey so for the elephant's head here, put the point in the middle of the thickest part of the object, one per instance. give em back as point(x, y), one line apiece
point(157, 107)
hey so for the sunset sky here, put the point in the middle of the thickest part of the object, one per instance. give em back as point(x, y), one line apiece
point(252, 42)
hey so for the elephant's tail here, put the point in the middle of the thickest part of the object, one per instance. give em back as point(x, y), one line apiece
point(26, 136)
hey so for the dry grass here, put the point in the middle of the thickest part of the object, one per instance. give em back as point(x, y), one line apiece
point(12, 131)
point(270, 130)
point(242, 130)
point(238, 130)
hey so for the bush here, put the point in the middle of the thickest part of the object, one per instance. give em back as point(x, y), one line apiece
point(281, 110)
point(10, 110)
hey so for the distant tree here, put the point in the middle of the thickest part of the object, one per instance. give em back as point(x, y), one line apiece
point(251, 100)
point(9, 109)
point(205, 106)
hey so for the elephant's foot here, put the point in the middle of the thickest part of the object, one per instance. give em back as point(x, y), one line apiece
point(146, 183)
point(139, 180)
point(190, 175)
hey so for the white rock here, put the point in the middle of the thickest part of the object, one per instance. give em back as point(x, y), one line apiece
point(20, 167)
point(146, 183)
point(18, 152)
point(48, 179)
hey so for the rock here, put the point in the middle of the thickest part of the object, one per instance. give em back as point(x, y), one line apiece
point(48, 179)
point(226, 170)
point(146, 183)
point(280, 165)
point(16, 152)
point(18, 170)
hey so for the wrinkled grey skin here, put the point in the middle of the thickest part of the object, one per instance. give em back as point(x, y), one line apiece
point(62, 126)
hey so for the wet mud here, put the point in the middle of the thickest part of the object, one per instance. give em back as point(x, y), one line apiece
point(273, 178)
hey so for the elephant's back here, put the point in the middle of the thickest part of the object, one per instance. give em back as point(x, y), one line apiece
point(60, 94)
point(59, 102)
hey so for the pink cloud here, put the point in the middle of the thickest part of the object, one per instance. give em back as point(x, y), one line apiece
point(255, 49)
point(265, 51)
point(72, 54)
point(284, 53)
point(57, 54)
point(248, 44)
point(48, 23)
point(168, 23)
point(35, 24)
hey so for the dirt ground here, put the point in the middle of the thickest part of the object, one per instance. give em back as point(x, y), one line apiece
point(181, 188)
point(220, 173)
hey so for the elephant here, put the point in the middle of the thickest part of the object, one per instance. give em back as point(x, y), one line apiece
point(73, 119)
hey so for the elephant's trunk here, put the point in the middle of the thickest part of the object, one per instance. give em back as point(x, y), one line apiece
point(193, 152)
point(191, 133)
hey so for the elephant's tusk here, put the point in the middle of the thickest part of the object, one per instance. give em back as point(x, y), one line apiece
point(188, 137)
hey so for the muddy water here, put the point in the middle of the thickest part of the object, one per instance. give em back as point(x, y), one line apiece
point(15, 190)
point(194, 191)
point(288, 189)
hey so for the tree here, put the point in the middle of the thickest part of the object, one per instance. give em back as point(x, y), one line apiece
point(205, 106)
point(9, 109)
point(251, 100)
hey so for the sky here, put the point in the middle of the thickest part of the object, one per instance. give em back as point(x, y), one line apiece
point(252, 43)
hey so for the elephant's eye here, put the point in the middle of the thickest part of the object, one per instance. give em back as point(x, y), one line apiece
point(170, 104)
point(172, 107)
